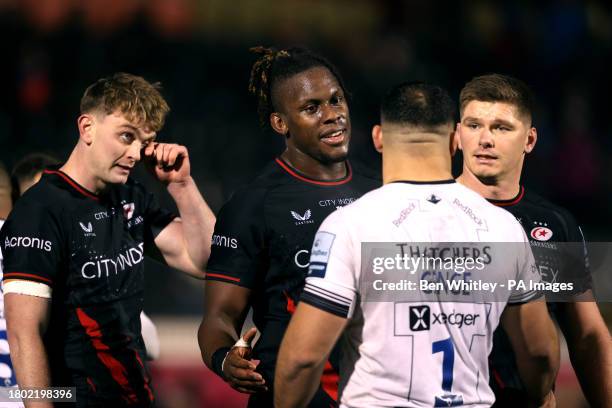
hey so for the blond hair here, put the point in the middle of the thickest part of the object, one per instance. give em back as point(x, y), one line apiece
point(138, 100)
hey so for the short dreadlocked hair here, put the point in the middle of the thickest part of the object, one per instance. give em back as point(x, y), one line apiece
point(138, 100)
point(274, 66)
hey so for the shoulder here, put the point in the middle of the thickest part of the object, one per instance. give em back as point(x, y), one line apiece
point(536, 200)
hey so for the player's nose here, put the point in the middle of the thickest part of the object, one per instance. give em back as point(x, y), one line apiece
point(485, 138)
point(133, 152)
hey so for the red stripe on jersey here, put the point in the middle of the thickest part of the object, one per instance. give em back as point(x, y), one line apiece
point(17, 275)
point(514, 201)
point(72, 184)
point(117, 370)
point(290, 303)
point(218, 275)
point(329, 381)
point(311, 181)
point(147, 380)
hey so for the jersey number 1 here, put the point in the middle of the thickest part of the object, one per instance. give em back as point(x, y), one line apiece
point(448, 361)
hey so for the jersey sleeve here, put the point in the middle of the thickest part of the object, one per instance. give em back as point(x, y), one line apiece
point(575, 264)
point(238, 244)
point(331, 284)
point(31, 245)
point(527, 271)
point(156, 218)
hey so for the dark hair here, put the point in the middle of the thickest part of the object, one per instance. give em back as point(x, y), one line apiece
point(274, 66)
point(498, 88)
point(138, 100)
point(27, 167)
point(418, 104)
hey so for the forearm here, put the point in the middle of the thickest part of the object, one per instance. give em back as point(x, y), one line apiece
point(295, 382)
point(591, 358)
point(214, 334)
point(538, 371)
point(29, 359)
point(198, 220)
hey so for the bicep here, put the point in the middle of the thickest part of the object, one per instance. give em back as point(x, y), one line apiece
point(171, 244)
point(26, 313)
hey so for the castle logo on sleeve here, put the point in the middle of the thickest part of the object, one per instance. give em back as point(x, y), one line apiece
point(319, 256)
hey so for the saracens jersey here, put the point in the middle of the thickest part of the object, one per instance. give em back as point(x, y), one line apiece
point(262, 240)
point(413, 353)
point(549, 228)
point(85, 252)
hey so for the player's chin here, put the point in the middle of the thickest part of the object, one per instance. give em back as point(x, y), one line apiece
point(335, 154)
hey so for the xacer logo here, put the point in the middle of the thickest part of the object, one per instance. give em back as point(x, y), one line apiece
point(421, 318)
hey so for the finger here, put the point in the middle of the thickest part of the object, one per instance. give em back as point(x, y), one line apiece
point(243, 374)
point(159, 153)
point(166, 154)
point(248, 383)
point(250, 334)
point(236, 361)
point(150, 149)
point(248, 390)
point(172, 155)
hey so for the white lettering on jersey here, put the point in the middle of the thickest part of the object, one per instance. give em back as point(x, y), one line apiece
point(104, 267)
point(27, 242)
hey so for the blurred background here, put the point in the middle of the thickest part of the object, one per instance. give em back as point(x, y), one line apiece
point(51, 50)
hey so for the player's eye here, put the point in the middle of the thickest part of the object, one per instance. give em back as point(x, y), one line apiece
point(336, 100)
point(473, 126)
point(311, 109)
point(126, 137)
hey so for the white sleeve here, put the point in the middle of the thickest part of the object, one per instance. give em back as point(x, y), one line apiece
point(331, 284)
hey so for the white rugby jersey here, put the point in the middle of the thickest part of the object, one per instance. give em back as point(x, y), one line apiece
point(414, 354)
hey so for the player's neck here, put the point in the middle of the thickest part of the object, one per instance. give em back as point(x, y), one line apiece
point(313, 168)
point(503, 188)
point(417, 163)
point(78, 169)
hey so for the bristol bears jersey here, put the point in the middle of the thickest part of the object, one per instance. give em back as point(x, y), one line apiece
point(548, 228)
point(386, 359)
point(262, 240)
point(87, 251)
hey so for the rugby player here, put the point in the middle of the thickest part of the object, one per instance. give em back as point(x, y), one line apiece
point(25, 173)
point(74, 244)
point(387, 361)
point(495, 134)
point(263, 235)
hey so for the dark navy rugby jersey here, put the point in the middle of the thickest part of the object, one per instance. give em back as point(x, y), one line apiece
point(549, 229)
point(262, 241)
point(90, 250)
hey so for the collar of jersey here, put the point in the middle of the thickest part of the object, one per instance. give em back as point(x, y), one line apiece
point(449, 181)
point(76, 186)
point(513, 201)
point(302, 177)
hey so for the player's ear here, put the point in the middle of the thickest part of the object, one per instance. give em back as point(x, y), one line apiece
point(377, 138)
point(532, 138)
point(453, 142)
point(457, 139)
point(278, 124)
point(86, 124)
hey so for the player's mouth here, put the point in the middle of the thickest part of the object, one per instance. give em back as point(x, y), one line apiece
point(484, 158)
point(124, 168)
point(334, 137)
